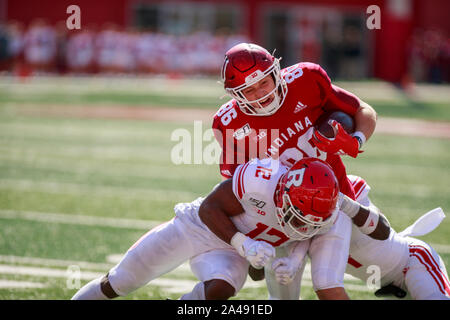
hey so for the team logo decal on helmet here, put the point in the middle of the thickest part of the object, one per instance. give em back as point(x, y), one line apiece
point(245, 64)
point(306, 199)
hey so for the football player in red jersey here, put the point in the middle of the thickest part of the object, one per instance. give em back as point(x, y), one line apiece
point(273, 112)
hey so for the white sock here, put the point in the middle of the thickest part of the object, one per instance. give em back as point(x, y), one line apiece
point(198, 293)
point(90, 291)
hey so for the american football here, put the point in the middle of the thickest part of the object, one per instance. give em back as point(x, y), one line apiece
point(343, 118)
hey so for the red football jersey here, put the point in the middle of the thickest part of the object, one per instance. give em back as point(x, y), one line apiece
point(287, 134)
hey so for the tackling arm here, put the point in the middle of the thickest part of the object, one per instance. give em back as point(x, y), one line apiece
point(215, 212)
point(368, 220)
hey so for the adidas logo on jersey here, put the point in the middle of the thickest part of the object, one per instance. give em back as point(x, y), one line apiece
point(300, 106)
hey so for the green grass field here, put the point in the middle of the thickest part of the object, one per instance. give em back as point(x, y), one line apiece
point(80, 192)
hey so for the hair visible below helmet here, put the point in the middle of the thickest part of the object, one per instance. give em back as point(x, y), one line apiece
point(307, 199)
point(245, 64)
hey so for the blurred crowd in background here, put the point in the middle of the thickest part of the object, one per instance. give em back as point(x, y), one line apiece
point(41, 48)
point(429, 56)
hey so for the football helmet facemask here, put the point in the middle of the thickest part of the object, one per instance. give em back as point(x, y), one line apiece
point(245, 64)
point(307, 199)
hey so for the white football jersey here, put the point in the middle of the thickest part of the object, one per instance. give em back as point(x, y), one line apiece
point(365, 251)
point(254, 185)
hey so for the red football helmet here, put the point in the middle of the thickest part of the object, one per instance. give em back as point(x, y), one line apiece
point(245, 64)
point(306, 199)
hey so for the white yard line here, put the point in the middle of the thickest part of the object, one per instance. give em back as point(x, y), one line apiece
point(441, 248)
point(79, 219)
point(46, 272)
point(9, 259)
point(170, 285)
point(385, 125)
point(40, 265)
point(71, 188)
point(66, 218)
point(113, 259)
point(11, 284)
point(413, 127)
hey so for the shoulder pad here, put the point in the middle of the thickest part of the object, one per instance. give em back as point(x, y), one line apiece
point(257, 177)
point(360, 186)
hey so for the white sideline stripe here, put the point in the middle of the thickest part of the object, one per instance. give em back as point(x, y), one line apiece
point(54, 262)
point(177, 285)
point(114, 259)
point(171, 285)
point(441, 248)
point(11, 284)
point(113, 222)
point(79, 219)
point(71, 188)
point(45, 272)
point(111, 261)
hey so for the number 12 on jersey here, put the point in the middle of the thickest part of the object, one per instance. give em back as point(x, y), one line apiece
point(264, 173)
point(261, 227)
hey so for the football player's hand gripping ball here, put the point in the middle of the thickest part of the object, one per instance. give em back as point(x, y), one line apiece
point(342, 143)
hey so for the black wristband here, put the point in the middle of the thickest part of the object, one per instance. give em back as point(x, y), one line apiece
point(360, 142)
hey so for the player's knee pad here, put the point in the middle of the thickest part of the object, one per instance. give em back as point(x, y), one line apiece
point(226, 265)
point(324, 278)
point(130, 274)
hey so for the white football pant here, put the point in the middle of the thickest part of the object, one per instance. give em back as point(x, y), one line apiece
point(166, 247)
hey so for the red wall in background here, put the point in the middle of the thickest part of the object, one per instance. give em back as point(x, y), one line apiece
point(432, 14)
point(391, 42)
point(94, 12)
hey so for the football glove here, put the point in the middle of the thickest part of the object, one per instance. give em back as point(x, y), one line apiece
point(285, 269)
point(258, 253)
point(341, 144)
